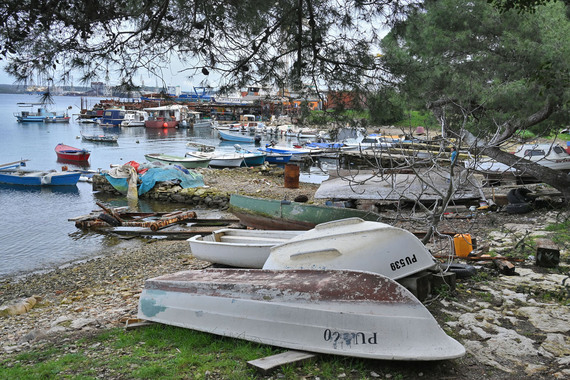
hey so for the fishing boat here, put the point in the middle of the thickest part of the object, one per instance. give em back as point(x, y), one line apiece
point(237, 247)
point(112, 117)
point(69, 153)
point(134, 118)
point(219, 160)
point(187, 162)
point(236, 137)
point(339, 312)
point(59, 118)
point(166, 116)
point(353, 244)
point(100, 138)
point(12, 174)
point(273, 214)
point(38, 114)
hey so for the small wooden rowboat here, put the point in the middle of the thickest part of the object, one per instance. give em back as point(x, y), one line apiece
point(238, 248)
point(69, 153)
point(353, 244)
point(349, 313)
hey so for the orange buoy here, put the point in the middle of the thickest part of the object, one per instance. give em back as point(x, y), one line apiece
point(165, 125)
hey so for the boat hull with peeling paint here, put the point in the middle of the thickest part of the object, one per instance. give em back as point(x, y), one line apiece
point(348, 313)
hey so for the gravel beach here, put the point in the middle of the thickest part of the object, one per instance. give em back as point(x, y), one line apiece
point(496, 319)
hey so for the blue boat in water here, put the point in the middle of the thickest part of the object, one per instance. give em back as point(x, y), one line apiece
point(36, 115)
point(112, 118)
point(250, 158)
point(12, 174)
point(236, 137)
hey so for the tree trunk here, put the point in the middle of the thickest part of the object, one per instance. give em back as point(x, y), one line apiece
point(555, 178)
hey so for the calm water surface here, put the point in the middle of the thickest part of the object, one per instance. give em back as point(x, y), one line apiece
point(35, 233)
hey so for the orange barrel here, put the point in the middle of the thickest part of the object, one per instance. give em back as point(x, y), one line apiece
point(463, 245)
point(291, 176)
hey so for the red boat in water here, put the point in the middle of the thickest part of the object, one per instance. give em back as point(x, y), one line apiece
point(69, 153)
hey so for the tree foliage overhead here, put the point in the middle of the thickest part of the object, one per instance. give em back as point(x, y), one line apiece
point(486, 74)
point(282, 42)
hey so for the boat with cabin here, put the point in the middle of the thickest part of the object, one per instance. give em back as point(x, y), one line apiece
point(134, 118)
point(170, 116)
point(338, 312)
point(112, 117)
point(36, 113)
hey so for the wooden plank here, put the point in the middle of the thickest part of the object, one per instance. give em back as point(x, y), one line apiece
point(270, 363)
point(505, 267)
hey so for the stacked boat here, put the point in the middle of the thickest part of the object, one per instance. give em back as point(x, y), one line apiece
point(331, 290)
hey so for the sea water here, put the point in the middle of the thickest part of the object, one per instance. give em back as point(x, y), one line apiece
point(35, 233)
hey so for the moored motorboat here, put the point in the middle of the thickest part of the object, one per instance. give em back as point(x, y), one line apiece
point(69, 153)
point(236, 137)
point(349, 313)
point(100, 138)
point(239, 248)
point(353, 244)
point(187, 162)
point(134, 118)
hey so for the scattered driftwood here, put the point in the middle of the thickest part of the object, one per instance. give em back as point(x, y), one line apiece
point(505, 267)
point(270, 363)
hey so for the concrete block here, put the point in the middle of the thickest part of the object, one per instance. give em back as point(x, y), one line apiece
point(418, 284)
point(446, 280)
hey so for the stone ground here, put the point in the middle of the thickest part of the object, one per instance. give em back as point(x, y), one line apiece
point(512, 326)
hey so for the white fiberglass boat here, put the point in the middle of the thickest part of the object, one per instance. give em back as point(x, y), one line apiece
point(350, 313)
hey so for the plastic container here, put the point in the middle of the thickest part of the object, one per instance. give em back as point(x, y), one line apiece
point(463, 244)
point(291, 176)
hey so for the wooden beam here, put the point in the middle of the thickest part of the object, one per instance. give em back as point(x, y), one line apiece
point(270, 363)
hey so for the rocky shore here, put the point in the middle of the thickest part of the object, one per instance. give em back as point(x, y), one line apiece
point(512, 326)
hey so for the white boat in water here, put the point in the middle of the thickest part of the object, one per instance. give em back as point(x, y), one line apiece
point(349, 313)
point(353, 244)
point(220, 160)
point(238, 248)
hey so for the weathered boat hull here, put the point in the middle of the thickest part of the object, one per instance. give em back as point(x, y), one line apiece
point(353, 244)
point(347, 313)
point(272, 214)
point(238, 248)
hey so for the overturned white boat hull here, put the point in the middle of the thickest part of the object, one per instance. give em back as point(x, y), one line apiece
point(348, 313)
point(238, 248)
point(353, 244)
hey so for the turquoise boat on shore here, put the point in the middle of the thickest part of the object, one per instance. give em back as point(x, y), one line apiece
point(273, 214)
